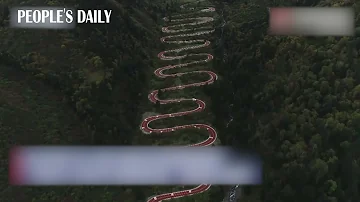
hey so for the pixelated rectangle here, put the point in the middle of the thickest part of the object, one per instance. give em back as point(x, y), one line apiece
point(133, 166)
point(312, 21)
point(42, 17)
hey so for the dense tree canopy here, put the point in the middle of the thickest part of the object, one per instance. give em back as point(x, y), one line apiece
point(100, 71)
point(293, 99)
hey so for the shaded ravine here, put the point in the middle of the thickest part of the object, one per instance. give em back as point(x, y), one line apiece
point(176, 31)
point(235, 191)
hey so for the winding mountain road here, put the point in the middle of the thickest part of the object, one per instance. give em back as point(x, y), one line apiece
point(193, 27)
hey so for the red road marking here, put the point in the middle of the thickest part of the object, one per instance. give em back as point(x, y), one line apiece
point(201, 106)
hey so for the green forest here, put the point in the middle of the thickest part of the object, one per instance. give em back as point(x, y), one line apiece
point(293, 99)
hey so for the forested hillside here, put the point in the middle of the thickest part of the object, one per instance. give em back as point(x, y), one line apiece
point(293, 99)
point(98, 71)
